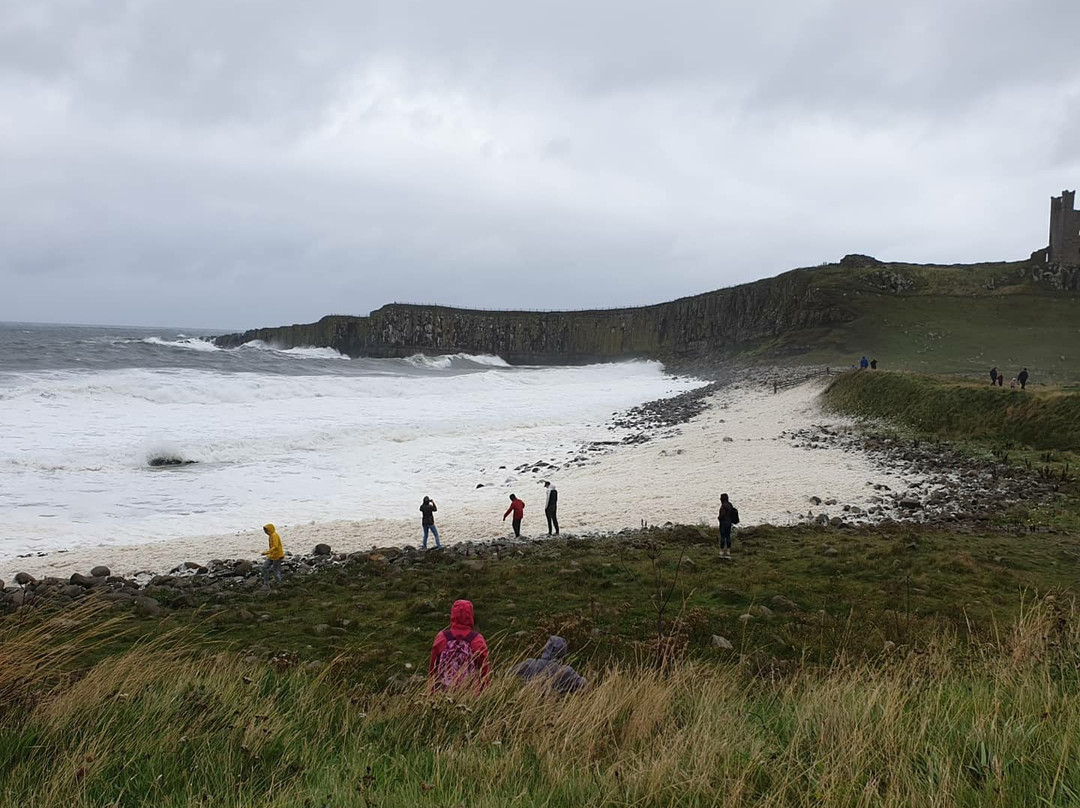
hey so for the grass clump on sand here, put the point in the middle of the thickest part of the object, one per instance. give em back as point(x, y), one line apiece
point(962, 411)
point(952, 721)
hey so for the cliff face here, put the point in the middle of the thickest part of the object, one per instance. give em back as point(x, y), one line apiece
point(688, 328)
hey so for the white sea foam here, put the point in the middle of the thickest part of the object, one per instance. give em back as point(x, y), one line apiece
point(75, 446)
point(448, 361)
point(186, 343)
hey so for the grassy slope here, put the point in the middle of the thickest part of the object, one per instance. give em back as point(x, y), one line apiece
point(957, 411)
point(946, 321)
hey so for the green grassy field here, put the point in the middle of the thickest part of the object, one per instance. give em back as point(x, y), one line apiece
point(959, 320)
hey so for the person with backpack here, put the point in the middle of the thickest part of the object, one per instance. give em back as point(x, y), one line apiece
point(427, 521)
point(517, 507)
point(729, 516)
point(993, 376)
point(459, 654)
point(550, 671)
point(1022, 378)
point(551, 507)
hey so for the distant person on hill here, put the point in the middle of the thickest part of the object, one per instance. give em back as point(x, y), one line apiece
point(517, 507)
point(550, 671)
point(427, 521)
point(729, 516)
point(1022, 378)
point(459, 655)
point(1001, 380)
point(274, 554)
point(551, 507)
point(873, 364)
point(993, 376)
point(864, 363)
point(1012, 384)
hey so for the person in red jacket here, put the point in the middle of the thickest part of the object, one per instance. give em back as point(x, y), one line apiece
point(459, 655)
point(517, 507)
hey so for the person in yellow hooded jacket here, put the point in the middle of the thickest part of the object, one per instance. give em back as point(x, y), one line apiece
point(274, 554)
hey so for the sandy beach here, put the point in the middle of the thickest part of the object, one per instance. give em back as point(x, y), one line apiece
point(677, 478)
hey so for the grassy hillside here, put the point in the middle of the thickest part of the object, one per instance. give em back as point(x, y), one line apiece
point(963, 411)
point(947, 319)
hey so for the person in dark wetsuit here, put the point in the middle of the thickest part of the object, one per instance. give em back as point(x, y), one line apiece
point(1022, 378)
point(428, 508)
point(873, 364)
point(993, 376)
point(551, 507)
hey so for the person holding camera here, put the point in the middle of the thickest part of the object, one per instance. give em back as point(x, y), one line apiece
point(428, 508)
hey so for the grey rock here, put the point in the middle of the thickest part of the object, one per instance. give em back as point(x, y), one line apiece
point(243, 567)
point(783, 604)
point(836, 521)
point(723, 643)
point(100, 571)
point(473, 565)
point(147, 607)
point(758, 610)
point(24, 578)
point(321, 550)
point(831, 551)
point(17, 597)
point(72, 591)
point(728, 440)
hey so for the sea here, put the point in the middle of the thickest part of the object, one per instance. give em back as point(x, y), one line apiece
point(256, 434)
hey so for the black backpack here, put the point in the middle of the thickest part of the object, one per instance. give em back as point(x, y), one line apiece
point(734, 515)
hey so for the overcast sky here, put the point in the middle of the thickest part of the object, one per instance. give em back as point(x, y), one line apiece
point(233, 163)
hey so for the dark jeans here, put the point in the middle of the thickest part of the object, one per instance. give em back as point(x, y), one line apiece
point(517, 527)
point(434, 532)
point(553, 520)
point(725, 536)
point(275, 566)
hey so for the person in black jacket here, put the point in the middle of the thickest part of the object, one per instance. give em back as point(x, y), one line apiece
point(729, 516)
point(428, 508)
point(551, 507)
point(1022, 378)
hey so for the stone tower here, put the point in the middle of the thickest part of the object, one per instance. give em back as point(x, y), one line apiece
point(1064, 250)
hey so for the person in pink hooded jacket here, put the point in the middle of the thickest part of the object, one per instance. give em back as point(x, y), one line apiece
point(459, 654)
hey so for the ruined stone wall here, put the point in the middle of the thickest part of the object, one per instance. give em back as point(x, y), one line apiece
point(1064, 250)
point(692, 327)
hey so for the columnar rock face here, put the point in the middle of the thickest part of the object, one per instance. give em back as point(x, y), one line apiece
point(691, 327)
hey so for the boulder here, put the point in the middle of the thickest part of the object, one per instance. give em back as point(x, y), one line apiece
point(757, 610)
point(728, 440)
point(100, 571)
point(723, 643)
point(147, 607)
point(17, 597)
point(321, 550)
point(243, 567)
point(831, 551)
point(783, 604)
point(72, 591)
point(24, 578)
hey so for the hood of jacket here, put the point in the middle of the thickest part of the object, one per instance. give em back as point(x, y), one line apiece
point(555, 649)
point(461, 618)
point(269, 529)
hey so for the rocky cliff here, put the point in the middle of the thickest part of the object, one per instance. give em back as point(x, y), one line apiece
point(690, 328)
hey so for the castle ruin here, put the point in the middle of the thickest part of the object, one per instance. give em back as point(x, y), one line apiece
point(1064, 249)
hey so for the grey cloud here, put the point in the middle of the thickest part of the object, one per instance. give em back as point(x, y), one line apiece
point(241, 163)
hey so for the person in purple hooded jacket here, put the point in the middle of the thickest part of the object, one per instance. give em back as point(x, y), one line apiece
point(549, 669)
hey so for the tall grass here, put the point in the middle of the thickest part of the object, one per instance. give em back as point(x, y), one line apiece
point(953, 722)
point(962, 411)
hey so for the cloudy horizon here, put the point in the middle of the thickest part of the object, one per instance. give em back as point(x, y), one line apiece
point(258, 162)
